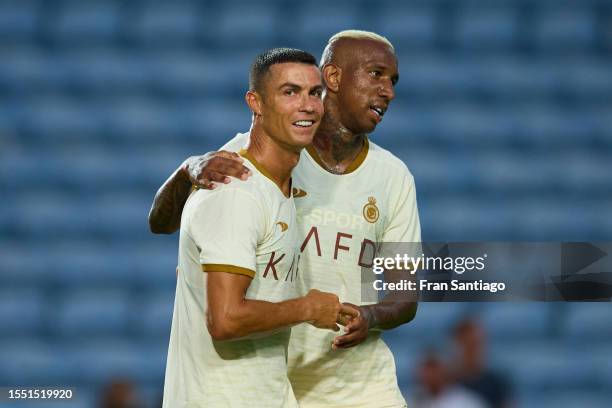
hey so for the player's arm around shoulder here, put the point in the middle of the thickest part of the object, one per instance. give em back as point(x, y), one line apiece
point(200, 171)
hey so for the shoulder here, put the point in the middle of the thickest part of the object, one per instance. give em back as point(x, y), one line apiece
point(387, 163)
point(238, 142)
point(250, 189)
point(238, 195)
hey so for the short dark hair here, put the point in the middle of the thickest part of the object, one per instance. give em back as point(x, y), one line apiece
point(263, 62)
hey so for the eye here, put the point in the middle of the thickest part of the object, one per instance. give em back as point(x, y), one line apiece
point(289, 92)
point(317, 92)
point(375, 73)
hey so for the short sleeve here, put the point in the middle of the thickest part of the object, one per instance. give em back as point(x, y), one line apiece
point(403, 224)
point(227, 226)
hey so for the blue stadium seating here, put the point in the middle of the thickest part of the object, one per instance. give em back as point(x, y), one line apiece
point(155, 314)
point(546, 366)
point(416, 26)
point(589, 322)
point(561, 29)
point(502, 113)
point(29, 361)
point(86, 23)
point(18, 20)
point(167, 23)
point(22, 312)
point(517, 321)
point(244, 26)
point(479, 28)
point(91, 313)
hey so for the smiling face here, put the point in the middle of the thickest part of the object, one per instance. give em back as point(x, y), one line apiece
point(366, 88)
point(289, 106)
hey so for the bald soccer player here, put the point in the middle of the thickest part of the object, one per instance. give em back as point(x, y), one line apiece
point(236, 296)
point(350, 193)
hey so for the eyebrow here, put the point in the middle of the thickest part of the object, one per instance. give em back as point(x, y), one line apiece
point(317, 88)
point(296, 86)
point(290, 85)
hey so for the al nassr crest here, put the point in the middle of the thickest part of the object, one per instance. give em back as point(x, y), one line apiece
point(370, 210)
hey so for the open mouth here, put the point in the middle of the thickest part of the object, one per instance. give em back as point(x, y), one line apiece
point(304, 123)
point(380, 112)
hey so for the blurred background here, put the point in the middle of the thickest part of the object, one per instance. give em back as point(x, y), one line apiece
point(503, 113)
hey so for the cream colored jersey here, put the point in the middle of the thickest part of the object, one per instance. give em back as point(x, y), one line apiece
point(340, 216)
point(245, 228)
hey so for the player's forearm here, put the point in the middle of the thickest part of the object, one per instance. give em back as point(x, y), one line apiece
point(256, 317)
point(397, 307)
point(389, 314)
point(165, 213)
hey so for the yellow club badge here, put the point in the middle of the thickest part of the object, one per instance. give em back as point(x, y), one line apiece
point(370, 210)
point(283, 226)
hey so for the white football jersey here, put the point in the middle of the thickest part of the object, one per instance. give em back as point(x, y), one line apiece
point(340, 218)
point(246, 228)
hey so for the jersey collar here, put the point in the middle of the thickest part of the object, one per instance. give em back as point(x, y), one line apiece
point(352, 167)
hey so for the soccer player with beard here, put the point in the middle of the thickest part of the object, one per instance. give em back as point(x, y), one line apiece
point(350, 193)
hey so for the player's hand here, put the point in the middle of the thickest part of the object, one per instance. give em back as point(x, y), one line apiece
point(204, 171)
point(356, 330)
point(324, 310)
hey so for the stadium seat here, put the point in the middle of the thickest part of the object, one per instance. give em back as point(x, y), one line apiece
point(62, 116)
point(145, 119)
point(591, 399)
point(246, 26)
point(177, 23)
point(517, 321)
point(559, 29)
point(548, 220)
point(21, 312)
point(408, 27)
point(87, 23)
point(314, 27)
point(512, 78)
point(184, 73)
point(428, 77)
point(23, 266)
point(24, 70)
point(431, 325)
point(104, 71)
point(587, 80)
point(482, 28)
point(154, 316)
point(589, 322)
point(210, 121)
point(29, 361)
point(18, 20)
point(547, 366)
point(115, 359)
point(469, 220)
point(91, 313)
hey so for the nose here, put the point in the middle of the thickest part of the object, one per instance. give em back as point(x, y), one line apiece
point(309, 104)
point(386, 90)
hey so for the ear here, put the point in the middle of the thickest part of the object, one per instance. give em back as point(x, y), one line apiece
point(253, 99)
point(332, 75)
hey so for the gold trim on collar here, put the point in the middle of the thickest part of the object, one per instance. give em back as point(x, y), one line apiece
point(351, 167)
point(244, 153)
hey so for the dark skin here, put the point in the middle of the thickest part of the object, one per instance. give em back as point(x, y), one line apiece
point(359, 76)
